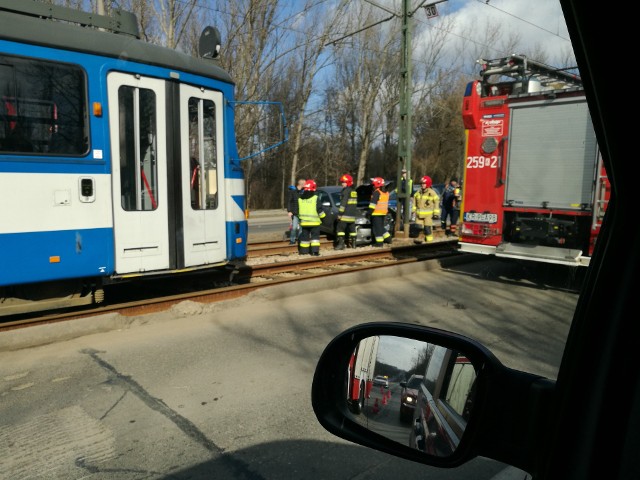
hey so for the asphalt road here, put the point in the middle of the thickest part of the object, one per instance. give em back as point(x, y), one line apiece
point(223, 390)
point(267, 223)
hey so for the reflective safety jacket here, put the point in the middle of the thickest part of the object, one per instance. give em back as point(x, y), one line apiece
point(348, 209)
point(426, 203)
point(310, 209)
point(379, 202)
point(404, 183)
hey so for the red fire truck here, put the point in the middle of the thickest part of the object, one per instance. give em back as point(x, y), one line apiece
point(534, 186)
point(360, 373)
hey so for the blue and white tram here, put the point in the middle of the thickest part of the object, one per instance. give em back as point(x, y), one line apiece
point(118, 158)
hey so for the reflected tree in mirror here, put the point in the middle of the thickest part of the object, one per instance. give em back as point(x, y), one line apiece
point(415, 393)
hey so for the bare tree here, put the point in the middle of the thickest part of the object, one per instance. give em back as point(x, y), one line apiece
point(172, 18)
point(316, 26)
point(147, 21)
point(439, 132)
point(249, 32)
point(366, 62)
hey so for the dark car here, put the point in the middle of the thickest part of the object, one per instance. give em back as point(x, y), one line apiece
point(330, 198)
point(582, 426)
point(444, 401)
point(409, 396)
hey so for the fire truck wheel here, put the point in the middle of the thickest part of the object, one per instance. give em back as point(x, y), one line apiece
point(357, 406)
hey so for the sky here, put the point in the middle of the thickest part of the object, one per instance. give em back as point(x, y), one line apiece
point(539, 25)
point(399, 352)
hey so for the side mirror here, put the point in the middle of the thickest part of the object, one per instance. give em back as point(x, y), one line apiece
point(209, 43)
point(448, 400)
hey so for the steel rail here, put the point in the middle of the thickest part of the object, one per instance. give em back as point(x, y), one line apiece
point(255, 277)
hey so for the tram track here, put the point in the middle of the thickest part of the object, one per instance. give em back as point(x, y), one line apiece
point(275, 266)
point(269, 247)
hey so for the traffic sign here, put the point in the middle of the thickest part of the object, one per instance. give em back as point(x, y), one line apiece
point(432, 11)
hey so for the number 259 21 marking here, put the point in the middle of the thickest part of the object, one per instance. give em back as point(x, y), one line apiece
point(480, 161)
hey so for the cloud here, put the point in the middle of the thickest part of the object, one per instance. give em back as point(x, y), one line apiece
point(486, 28)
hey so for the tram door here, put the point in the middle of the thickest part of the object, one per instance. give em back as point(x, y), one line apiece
point(139, 171)
point(203, 209)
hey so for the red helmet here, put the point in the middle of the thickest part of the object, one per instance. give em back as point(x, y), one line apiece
point(426, 180)
point(377, 182)
point(346, 178)
point(310, 186)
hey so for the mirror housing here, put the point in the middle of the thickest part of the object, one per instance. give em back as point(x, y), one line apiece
point(498, 426)
point(209, 43)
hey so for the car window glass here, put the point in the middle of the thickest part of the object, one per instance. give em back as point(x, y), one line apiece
point(434, 368)
point(414, 382)
point(460, 385)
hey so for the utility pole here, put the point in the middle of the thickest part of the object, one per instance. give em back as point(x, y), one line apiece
point(404, 131)
point(405, 128)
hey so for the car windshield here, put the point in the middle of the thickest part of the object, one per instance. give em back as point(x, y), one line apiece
point(414, 382)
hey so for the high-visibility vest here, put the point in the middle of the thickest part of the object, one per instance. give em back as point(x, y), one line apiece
point(458, 198)
point(381, 207)
point(308, 211)
point(403, 186)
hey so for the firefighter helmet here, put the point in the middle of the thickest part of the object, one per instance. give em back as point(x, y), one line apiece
point(310, 186)
point(377, 182)
point(346, 178)
point(426, 180)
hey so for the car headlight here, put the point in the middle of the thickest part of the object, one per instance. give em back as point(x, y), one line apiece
point(409, 399)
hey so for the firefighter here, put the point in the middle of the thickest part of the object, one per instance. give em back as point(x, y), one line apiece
point(426, 207)
point(347, 214)
point(310, 213)
point(450, 204)
point(378, 208)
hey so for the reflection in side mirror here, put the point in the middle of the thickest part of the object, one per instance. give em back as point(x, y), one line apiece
point(415, 393)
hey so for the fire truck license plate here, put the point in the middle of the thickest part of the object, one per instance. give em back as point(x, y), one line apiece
point(481, 217)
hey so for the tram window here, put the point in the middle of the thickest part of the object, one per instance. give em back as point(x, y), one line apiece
point(43, 107)
point(203, 176)
point(138, 166)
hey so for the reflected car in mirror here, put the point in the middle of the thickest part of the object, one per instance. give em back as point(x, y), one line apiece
point(409, 396)
point(444, 401)
point(381, 381)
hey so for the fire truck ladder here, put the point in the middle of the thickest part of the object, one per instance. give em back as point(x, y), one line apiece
point(519, 67)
